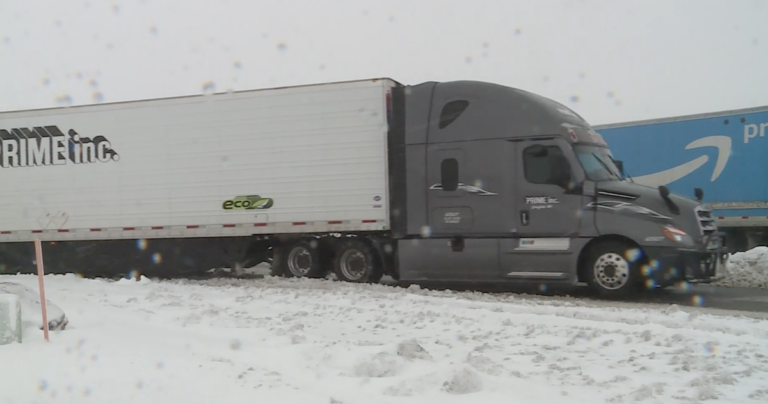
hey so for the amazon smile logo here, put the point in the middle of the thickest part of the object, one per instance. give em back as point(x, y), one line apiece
point(723, 145)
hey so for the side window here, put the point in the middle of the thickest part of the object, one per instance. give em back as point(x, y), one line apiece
point(449, 174)
point(451, 111)
point(539, 167)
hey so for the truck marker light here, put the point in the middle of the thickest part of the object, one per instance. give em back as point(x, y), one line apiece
point(572, 133)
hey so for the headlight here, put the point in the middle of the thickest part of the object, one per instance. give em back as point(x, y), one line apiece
point(674, 233)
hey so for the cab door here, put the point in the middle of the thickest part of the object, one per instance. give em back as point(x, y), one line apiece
point(547, 212)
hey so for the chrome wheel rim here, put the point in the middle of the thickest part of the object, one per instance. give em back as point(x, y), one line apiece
point(353, 264)
point(611, 271)
point(299, 261)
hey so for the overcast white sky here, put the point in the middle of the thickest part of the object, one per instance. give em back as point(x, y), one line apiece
point(610, 60)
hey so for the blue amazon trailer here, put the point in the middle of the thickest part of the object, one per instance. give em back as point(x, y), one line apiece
point(723, 153)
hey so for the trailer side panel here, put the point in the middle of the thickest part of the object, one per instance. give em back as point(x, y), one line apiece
point(300, 159)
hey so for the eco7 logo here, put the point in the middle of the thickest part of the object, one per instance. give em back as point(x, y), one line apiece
point(249, 202)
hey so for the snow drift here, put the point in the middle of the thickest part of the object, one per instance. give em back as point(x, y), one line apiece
point(747, 269)
point(31, 309)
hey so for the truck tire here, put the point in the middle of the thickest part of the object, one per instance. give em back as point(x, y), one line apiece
point(298, 259)
point(357, 262)
point(608, 273)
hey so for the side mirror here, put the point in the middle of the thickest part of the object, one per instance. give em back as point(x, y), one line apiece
point(619, 165)
point(699, 193)
point(664, 191)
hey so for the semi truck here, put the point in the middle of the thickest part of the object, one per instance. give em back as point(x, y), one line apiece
point(723, 153)
point(462, 181)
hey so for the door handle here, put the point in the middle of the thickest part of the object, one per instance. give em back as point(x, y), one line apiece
point(525, 217)
point(457, 244)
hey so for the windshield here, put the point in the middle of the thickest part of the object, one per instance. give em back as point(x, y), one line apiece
point(598, 163)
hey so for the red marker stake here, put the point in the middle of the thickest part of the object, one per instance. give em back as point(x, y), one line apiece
point(40, 274)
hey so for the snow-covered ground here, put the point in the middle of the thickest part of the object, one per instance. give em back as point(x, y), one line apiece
point(747, 269)
point(317, 341)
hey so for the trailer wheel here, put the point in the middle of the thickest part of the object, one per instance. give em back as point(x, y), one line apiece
point(609, 273)
point(357, 262)
point(299, 259)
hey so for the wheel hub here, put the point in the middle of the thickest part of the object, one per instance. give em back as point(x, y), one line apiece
point(353, 264)
point(299, 261)
point(611, 271)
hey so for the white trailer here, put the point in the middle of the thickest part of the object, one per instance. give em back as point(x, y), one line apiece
point(304, 159)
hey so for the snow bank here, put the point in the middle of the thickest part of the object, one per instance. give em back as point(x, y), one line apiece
point(317, 341)
point(143, 280)
point(31, 307)
point(10, 319)
point(747, 269)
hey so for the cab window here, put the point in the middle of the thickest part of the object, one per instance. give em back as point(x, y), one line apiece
point(539, 167)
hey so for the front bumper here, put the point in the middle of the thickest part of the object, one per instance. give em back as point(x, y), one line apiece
point(668, 265)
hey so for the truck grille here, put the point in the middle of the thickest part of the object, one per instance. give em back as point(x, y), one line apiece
point(706, 220)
